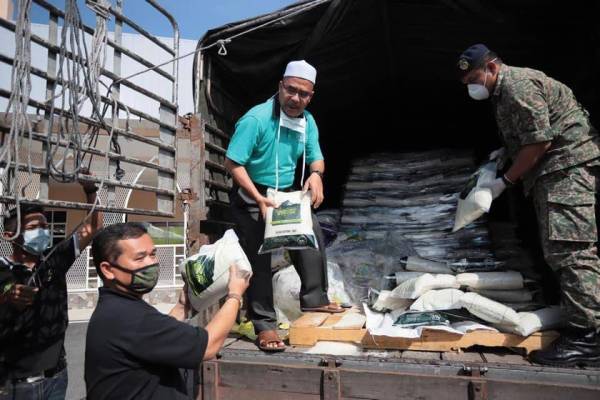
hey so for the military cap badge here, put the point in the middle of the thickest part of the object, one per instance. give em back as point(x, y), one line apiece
point(463, 64)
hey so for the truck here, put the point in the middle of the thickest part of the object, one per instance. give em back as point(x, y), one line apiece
point(386, 81)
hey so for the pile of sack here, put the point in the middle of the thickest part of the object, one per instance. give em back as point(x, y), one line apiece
point(418, 220)
point(429, 293)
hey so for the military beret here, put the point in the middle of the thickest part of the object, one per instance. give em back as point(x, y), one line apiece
point(472, 58)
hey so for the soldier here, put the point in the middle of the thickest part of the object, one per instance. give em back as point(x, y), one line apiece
point(554, 151)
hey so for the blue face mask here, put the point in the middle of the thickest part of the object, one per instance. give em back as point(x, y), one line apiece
point(36, 241)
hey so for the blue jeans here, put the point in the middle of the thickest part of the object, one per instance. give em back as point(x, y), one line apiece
point(54, 388)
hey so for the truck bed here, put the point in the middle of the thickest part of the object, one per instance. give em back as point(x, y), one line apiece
point(244, 372)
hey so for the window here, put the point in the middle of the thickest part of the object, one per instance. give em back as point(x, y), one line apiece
point(166, 232)
point(57, 224)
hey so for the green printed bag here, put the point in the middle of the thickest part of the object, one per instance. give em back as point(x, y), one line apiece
point(289, 226)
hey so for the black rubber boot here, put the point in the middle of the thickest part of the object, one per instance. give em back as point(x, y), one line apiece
point(575, 347)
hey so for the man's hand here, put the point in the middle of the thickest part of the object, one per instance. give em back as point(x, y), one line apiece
point(264, 203)
point(497, 186)
point(88, 187)
point(181, 310)
point(238, 280)
point(183, 298)
point(21, 295)
point(315, 185)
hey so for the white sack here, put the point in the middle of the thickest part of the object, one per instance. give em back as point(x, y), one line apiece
point(438, 300)
point(289, 226)
point(286, 291)
point(386, 302)
point(413, 288)
point(507, 280)
point(540, 320)
point(402, 276)
point(490, 310)
point(207, 272)
point(507, 296)
point(418, 264)
point(474, 200)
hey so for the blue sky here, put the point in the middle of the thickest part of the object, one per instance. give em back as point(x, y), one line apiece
point(195, 17)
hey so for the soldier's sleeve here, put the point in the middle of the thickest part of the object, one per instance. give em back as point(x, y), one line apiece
point(530, 109)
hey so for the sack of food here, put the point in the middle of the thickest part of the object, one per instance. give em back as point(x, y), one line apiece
point(475, 200)
point(418, 264)
point(507, 296)
point(384, 302)
point(413, 288)
point(289, 226)
point(416, 319)
point(539, 320)
point(438, 300)
point(489, 310)
point(506, 280)
point(207, 272)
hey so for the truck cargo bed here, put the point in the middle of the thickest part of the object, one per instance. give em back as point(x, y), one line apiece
point(243, 372)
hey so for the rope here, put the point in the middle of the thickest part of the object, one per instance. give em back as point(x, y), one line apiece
point(17, 107)
point(222, 42)
point(81, 83)
point(80, 78)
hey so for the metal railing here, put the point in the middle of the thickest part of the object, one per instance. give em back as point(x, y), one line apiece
point(164, 146)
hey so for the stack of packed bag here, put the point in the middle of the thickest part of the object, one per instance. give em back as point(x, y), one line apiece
point(405, 249)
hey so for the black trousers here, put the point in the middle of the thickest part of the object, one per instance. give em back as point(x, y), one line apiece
point(310, 264)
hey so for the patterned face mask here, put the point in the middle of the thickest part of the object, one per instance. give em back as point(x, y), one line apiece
point(143, 280)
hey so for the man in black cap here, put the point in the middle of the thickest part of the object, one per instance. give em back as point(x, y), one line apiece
point(555, 152)
point(33, 302)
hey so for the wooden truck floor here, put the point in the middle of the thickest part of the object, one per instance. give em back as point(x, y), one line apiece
point(244, 372)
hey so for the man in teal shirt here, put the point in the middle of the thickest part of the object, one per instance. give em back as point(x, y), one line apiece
point(263, 155)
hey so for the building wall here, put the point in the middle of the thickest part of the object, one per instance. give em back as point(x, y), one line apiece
point(6, 9)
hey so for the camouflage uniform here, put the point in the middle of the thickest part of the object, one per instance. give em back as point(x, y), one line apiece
point(531, 107)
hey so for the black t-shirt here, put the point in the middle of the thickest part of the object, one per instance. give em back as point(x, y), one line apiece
point(32, 339)
point(134, 351)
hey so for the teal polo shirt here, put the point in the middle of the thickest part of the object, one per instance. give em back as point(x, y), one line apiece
point(254, 144)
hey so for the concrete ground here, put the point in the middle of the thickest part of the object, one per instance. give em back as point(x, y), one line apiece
point(75, 347)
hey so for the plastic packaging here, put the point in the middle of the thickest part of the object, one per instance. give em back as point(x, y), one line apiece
point(207, 272)
point(491, 280)
point(385, 302)
point(416, 319)
point(489, 310)
point(413, 288)
point(289, 226)
point(438, 300)
point(507, 296)
point(475, 200)
point(418, 264)
point(286, 291)
point(539, 320)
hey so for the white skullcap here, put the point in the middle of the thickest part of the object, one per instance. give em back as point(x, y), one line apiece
point(301, 69)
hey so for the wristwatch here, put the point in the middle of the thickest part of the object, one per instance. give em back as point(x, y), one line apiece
point(316, 171)
point(236, 297)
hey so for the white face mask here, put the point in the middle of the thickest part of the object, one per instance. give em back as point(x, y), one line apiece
point(477, 91)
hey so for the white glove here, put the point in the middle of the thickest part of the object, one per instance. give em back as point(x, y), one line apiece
point(497, 186)
point(499, 155)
